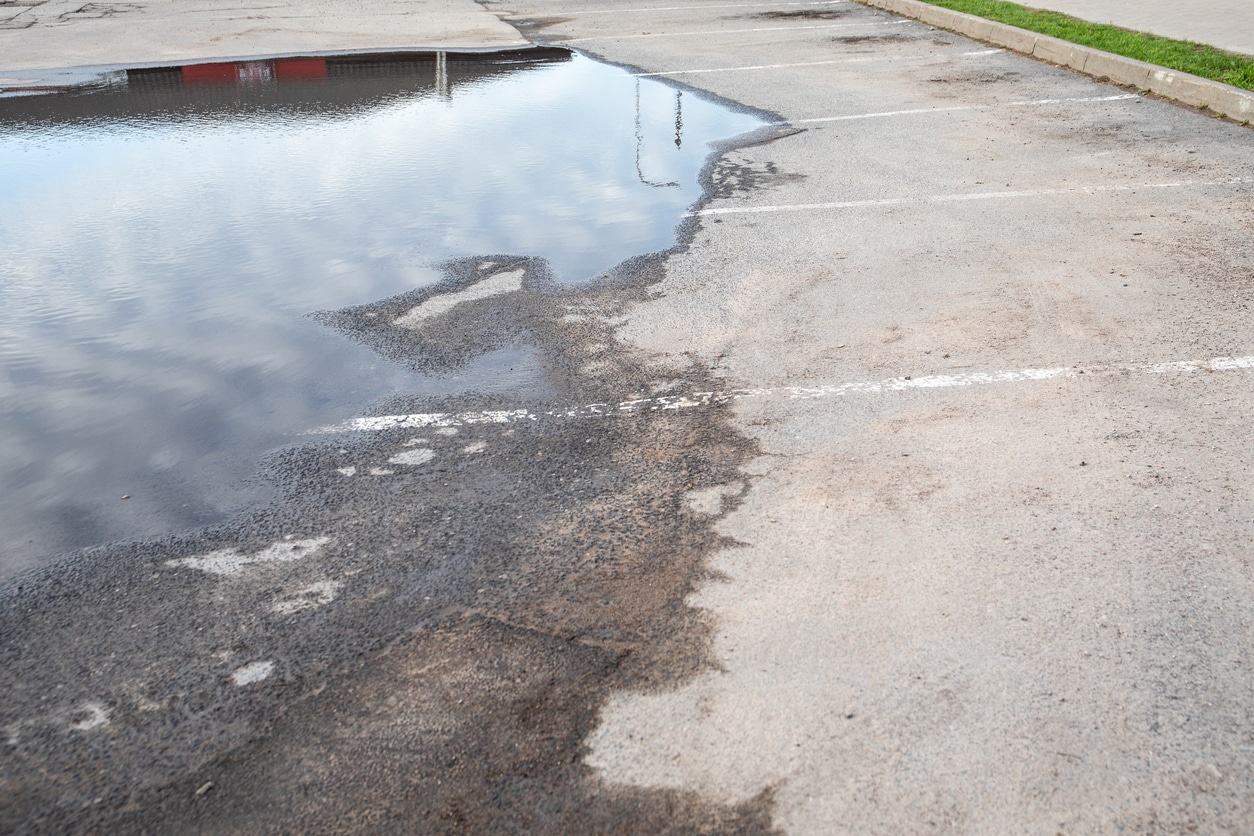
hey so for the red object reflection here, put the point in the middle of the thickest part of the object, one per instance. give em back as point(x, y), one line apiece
point(281, 68)
point(210, 73)
point(300, 68)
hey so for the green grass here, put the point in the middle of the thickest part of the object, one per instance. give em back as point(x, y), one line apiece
point(1186, 56)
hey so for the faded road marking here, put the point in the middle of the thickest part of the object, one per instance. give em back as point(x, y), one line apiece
point(311, 597)
point(497, 285)
point(867, 60)
point(928, 110)
point(232, 561)
point(735, 31)
point(698, 399)
point(954, 198)
point(96, 716)
point(582, 13)
point(1120, 97)
point(421, 455)
point(252, 672)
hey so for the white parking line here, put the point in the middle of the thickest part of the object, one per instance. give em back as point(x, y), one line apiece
point(232, 561)
point(868, 60)
point(509, 281)
point(582, 13)
point(698, 399)
point(96, 717)
point(252, 672)
point(929, 110)
point(735, 31)
point(1036, 102)
point(882, 114)
point(953, 198)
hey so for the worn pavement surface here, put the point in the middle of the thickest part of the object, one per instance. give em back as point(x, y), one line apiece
point(54, 34)
point(961, 543)
point(1019, 606)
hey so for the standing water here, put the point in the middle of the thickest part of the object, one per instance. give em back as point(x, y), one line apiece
point(164, 237)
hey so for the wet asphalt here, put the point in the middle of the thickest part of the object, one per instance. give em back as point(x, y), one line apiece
point(418, 632)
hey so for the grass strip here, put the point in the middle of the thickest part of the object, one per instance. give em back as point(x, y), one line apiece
point(1185, 56)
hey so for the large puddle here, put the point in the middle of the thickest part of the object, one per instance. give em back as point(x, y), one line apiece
point(164, 237)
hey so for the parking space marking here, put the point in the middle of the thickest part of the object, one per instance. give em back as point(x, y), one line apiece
point(1036, 102)
point(955, 198)
point(867, 60)
point(929, 110)
point(413, 458)
point(736, 31)
point(666, 403)
point(93, 716)
point(232, 561)
point(252, 672)
point(582, 13)
point(499, 284)
point(309, 598)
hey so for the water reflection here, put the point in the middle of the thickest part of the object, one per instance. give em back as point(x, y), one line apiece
point(162, 238)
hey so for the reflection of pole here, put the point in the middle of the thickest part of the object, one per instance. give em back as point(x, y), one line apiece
point(679, 119)
point(640, 144)
point(441, 73)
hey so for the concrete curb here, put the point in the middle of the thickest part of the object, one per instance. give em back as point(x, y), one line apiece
point(1182, 87)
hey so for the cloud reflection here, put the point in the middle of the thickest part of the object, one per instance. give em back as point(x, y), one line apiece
point(153, 274)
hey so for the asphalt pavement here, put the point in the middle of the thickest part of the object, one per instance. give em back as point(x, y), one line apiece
point(57, 34)
point(911, 493)
point(991, 570)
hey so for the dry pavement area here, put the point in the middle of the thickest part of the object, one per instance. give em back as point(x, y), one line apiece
point(1227, 24)
point(975, 507)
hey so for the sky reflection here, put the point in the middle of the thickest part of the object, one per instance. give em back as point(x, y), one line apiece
point(156, 265)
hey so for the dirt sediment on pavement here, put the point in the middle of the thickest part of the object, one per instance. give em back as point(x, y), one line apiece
point(421, 631)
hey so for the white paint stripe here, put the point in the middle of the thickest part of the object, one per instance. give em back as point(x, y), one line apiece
point(495, 285)
point(97, 716)
point(252, 672)
point(582, 13)
point(413, 458)
point(867, 60)
point(953, 198)
point(697, 399)
point(735, 31)
point(232, 562)
point(310, 598)
point(882, 114)
point(1118, 98)
point(926, 110)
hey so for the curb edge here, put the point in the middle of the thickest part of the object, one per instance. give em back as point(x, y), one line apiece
point(1222, 99)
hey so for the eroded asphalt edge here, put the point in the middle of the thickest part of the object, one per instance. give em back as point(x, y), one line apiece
point(732, 732)
point(485, 593)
